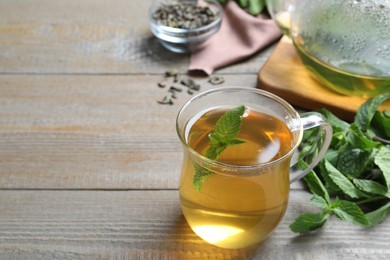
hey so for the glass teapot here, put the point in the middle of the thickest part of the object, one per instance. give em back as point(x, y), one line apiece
point(345, 44)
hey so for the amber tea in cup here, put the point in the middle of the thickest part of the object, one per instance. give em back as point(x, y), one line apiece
point(245, 193)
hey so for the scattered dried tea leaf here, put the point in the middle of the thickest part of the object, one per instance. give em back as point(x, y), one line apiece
point(187, 82)
point(161, 84)
point(195, 87)
point(191, 85)
point(216, 80)
point(175, 89)
point(167, 100)
point(171, 73)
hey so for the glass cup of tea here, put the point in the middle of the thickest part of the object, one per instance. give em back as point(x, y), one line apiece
point(345, 44)
point(244, 192)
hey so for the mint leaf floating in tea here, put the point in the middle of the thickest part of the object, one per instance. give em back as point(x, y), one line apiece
point(352, 182)
point(224, 135)
point(226, 130)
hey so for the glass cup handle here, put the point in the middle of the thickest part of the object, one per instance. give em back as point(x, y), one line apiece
point(311, 120)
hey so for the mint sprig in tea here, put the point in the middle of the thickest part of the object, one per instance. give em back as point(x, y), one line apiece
point(212, 199)
point(224, 135)
point(236, 173)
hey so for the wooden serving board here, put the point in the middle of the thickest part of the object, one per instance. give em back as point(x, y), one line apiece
point(285, 75)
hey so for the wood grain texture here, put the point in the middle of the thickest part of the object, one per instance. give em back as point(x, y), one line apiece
point(91, 132)
point(88, 36)
point(286, 76)
point(84, 172)
point(149, 225)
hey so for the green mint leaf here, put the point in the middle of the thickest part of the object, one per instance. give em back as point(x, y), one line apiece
point(332, 156)
point(353, 162)
point(200, 176)
point(330, 186)
point(382, 159)
point(343, 182)
point(380, 124)
point(305, 151)
point(377, 216)
point(234, 142)
point(243, 3)
point(229, 124)
point(315, 185)
point(222, 2)
point(349, 211)
point(307, 222)
point(338, 125)
point(309, 146)
point(214, 140)
point(256, 6)
point(372, 187)
point(320, 202)
point(225, 132)
point(214, 151)
point(366, 111)
point(356, 138)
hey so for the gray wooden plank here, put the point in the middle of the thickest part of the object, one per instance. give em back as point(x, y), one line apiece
point(149, 225)
point(88, 36)
point(90, 132)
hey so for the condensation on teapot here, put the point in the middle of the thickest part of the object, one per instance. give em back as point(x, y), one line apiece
point(345, 44)
point(353, 35)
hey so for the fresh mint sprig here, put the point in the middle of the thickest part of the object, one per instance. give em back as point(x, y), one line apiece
point(224, 135)
point(352, 182)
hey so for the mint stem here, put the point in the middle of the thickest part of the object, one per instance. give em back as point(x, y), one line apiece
point(224, 135)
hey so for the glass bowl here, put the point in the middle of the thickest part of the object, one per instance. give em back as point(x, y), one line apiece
point(184, 40)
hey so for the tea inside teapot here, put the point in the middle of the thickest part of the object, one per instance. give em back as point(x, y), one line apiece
point(344, 43)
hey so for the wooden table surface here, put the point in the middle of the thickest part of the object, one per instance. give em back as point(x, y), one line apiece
point(89, 161)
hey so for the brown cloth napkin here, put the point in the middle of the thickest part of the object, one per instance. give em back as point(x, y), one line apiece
point(240, 36)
